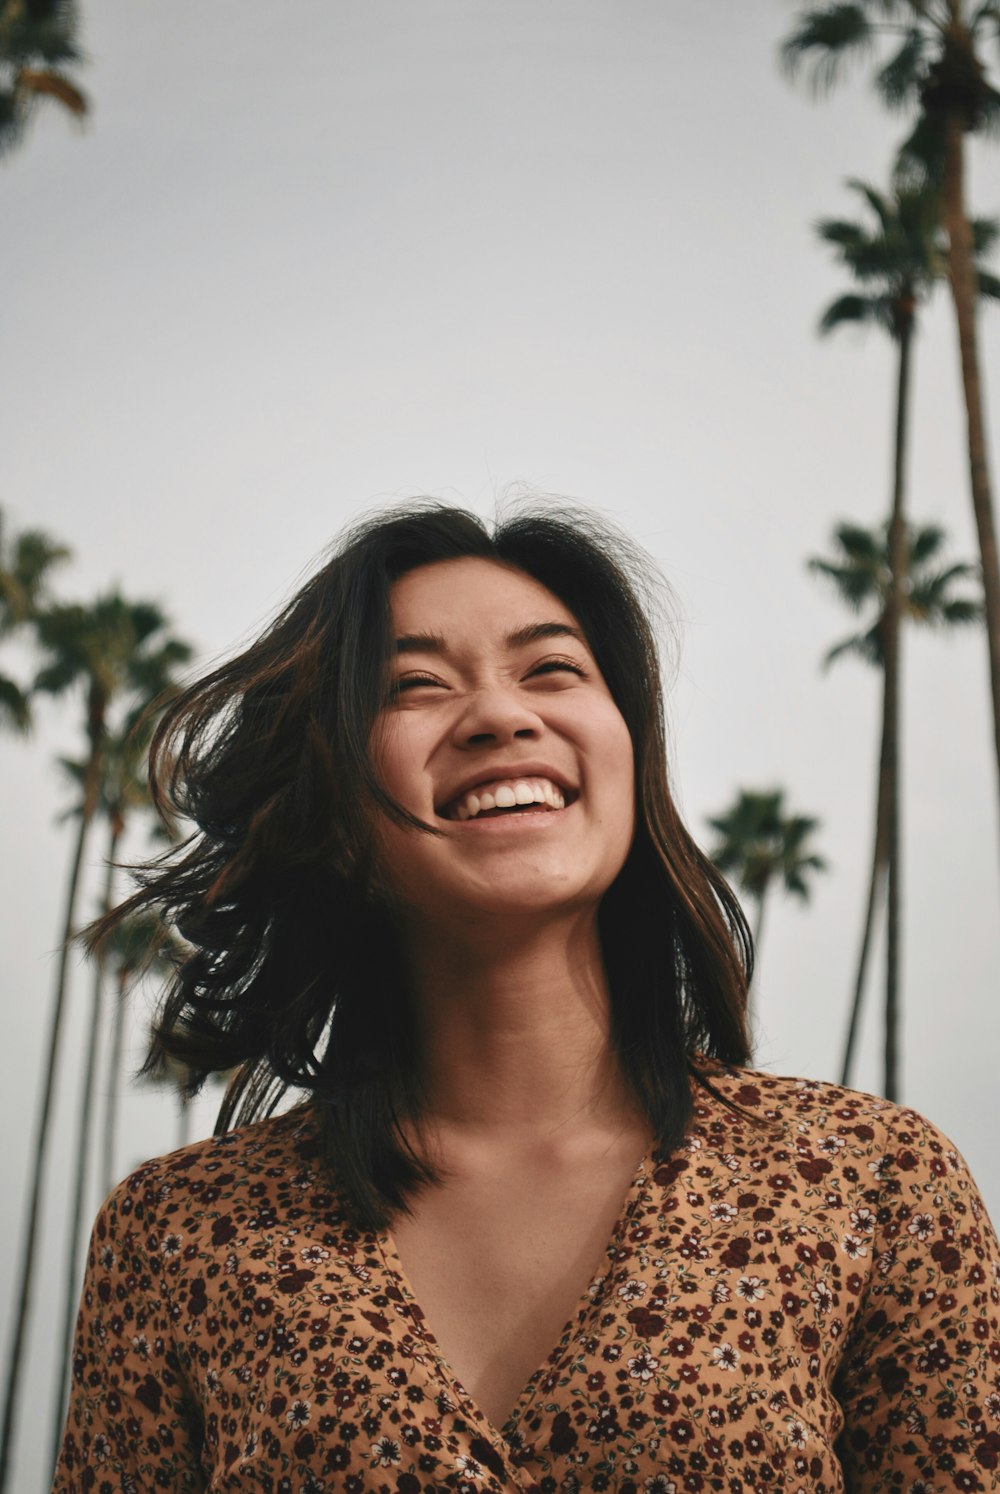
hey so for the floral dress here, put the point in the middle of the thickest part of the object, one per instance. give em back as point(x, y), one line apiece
point(801, 1297)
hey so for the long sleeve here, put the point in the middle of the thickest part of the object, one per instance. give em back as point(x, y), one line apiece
point(919, 1381)
point(131, 1424)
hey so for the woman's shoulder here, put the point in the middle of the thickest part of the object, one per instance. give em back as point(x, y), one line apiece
point(826, 1119)
point(249, 1167)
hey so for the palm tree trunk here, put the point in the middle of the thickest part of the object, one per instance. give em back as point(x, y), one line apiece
point(963, 290)
point(879, 858)
point(892, 639)
point(25, 1275)
point(84, 1129)
point(183, 1118)
point(115, 1052)
point(758, 930)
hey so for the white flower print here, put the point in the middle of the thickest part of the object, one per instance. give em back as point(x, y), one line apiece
point(643, 1367)
point(796, 1432)
point(467, 1466)
point(721, 1292)
point(822, 1296)
point(921, 1225)
point(886, 1261)
point(385, 1452)
point(832, 1145)
point(725, 1356)
point(723, 1211)
point(750, 1288)
point(298, 1413)
point(862, 1221)
point(313, 1254)
point(992, 1404)
point(660, 1484)
point(633, 1290)
point(879, 1167)
point(853, 1246)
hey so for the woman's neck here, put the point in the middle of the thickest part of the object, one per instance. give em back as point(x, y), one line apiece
point(514, 1034)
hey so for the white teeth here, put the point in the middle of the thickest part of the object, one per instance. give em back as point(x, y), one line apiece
point(507, 795)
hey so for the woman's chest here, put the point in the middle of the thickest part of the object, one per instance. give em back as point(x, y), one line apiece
point(711, 1308)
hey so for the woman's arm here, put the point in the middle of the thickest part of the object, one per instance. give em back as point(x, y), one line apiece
point(132, 1423)
point(920, 1378)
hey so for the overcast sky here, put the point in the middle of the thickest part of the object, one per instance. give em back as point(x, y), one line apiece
point(307, 259)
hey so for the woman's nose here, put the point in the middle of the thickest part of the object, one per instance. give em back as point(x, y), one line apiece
point(496, 716)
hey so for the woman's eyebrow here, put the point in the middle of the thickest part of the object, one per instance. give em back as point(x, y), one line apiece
point(433, 643)
point(535, 632)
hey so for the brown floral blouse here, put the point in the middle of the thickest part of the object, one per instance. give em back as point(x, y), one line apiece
point(808, 1304)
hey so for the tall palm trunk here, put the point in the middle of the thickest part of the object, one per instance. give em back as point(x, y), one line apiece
point(26, 1269)
point(85, 1126)
point(115, 1053)
point(963, 289)
point(885, 854)
point(879, 863)
point(891, 711)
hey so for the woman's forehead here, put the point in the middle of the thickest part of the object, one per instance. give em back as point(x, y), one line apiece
point(451, 599)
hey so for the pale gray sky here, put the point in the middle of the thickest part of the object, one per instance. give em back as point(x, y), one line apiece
point(306, 259)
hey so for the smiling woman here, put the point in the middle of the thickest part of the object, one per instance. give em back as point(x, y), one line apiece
point(532, 1224)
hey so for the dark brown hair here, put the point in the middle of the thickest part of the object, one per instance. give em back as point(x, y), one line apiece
point(295, 977)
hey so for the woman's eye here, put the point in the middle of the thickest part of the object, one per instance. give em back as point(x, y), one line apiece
point(409, 681)
point(552, 664)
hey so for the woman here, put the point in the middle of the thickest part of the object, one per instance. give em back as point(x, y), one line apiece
point(534, 1225)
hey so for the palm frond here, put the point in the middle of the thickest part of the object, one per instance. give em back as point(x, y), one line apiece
point(840, 231)
point(989, 10)
point(880, 206)
point(898, 81)
point(865, 646)
point(850, 308)
point(923, 543)
point(826, 40)
point(988, 112)
point(962, 611)
point(55, 85)
point(987, 286)
point(15, 706)
point(920, 161)
point(854, 585)
point(985, 233)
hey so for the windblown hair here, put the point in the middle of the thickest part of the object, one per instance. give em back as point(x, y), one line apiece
point(295, 976)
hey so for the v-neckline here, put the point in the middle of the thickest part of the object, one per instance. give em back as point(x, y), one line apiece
point(585, 1304)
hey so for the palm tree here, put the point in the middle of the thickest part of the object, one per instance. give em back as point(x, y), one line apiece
point(136, 943)
point(896, 264)
point(862, 573)
point(26, 560)
point(124, 792)
point(37, 38)
point(116, 652)
point(935, 69)
point(759, 845)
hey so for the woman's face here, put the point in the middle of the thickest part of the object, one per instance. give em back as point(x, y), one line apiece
point(502, 733)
